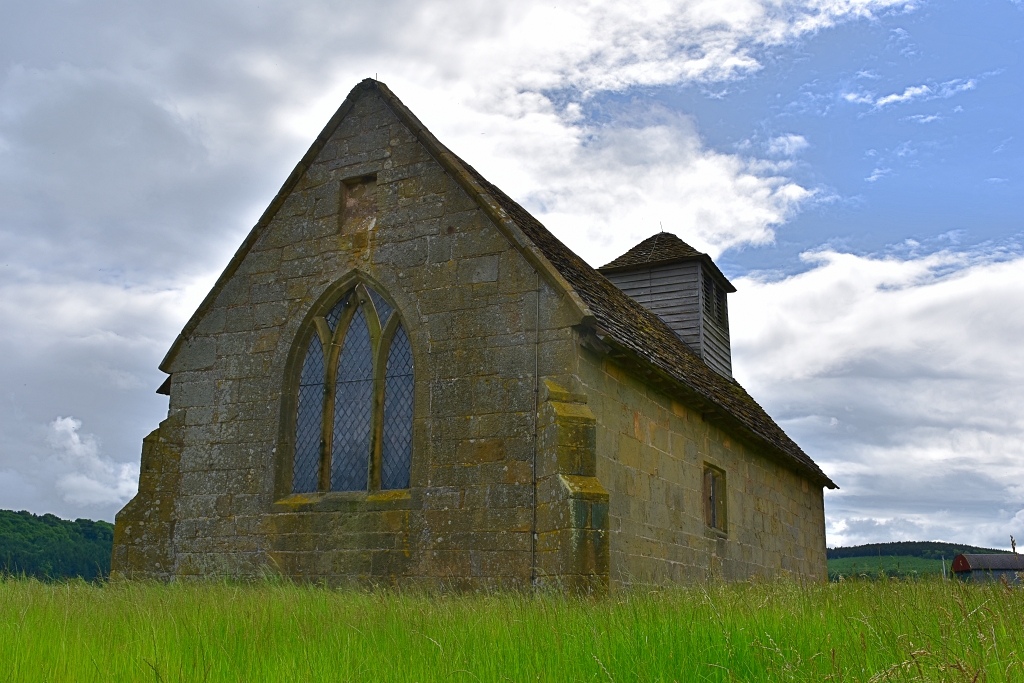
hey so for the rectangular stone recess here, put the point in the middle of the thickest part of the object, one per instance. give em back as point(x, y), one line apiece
point(359, 204)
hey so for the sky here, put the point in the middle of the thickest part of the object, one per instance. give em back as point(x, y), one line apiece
point(854, 166)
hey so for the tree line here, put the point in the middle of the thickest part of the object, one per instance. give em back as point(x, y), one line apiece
point(931, 550)
point(48, 547)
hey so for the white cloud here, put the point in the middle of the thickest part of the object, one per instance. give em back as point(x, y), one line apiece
point(903, 378)
point(923, 118)
point(626, 183)
point(46, 317)
point(904, 149)
point(128, 143)
point(586, 182)
point(911, 93)
point(859, 97)
point(878, 173)
point(787, 145)
point(138, 148)
point(959, 85)
point(597, 46)
point(93, 479)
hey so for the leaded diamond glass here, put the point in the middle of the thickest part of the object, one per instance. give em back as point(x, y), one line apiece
point(352, 408)
point(383, 308)
point(308, 420)
point(398, 390)
point(335, 313)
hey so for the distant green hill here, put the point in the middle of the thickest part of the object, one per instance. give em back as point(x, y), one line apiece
point(48, 547)
point(897, 560)
point(928, 549)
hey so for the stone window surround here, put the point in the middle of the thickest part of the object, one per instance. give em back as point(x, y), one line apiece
point(715, 501)
point(325, 500)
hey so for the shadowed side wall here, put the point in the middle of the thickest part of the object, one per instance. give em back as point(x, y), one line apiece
point(479, 335)
point(651, 455)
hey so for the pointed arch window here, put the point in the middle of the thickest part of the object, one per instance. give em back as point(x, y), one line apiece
point(353, 426)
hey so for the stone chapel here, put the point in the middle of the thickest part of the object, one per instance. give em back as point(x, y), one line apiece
point(403, 378)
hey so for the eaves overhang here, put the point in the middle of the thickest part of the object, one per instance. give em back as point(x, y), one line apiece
point(601, 342)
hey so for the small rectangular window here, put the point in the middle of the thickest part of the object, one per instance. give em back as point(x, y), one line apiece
point(714, 498)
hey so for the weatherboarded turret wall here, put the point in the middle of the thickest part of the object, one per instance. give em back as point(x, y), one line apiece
point(536, 458)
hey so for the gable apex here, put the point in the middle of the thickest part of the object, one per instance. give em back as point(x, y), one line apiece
point(467, 177)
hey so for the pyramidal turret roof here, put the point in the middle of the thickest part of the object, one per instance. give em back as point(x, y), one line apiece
point(622, 326)
point(661, 249)
point(662, 246)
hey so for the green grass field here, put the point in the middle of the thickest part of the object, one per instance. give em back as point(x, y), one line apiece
point(899, 566)
point(885, 630)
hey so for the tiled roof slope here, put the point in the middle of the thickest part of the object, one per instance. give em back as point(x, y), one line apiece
point(646, 335)
point(663, 246)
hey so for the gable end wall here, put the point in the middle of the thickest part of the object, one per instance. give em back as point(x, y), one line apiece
point(469, 300)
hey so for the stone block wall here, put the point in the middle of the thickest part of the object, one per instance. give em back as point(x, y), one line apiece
point(479, 334)
point(652, 452)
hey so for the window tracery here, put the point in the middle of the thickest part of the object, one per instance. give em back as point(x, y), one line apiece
point(353, 426)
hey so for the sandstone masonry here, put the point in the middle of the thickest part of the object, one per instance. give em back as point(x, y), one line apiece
point(545, 448)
